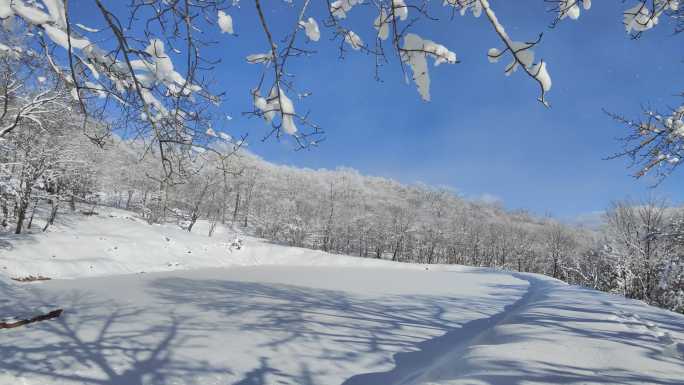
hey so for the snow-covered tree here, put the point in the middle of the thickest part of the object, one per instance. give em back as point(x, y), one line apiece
point(148, 58)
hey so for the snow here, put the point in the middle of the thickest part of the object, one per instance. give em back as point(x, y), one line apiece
point(493, 55)
point(208, 312)
point(353, 40)
point(257, 58)
point(109, 244)
point(57, 13)
point(474, 6)
point(569, 8)
point(523, 54)
point(277, 101)
point(61, 38)
point(311, 29)
point(415, 51)
point(261, 104)
point(225, 22)
point(30, 14)
point(400, 9)
point(87, 29)
point(288, 112)
point(381, 25)
point(5, 9)
point(340, 8)
point(641, 18)
point(542, 75)
point(638, 18)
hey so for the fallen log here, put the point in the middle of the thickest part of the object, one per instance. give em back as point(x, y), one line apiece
point(31, 278)
point(42, 317)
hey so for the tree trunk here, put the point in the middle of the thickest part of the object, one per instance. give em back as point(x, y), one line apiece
point(33, 212)
point(53, 214)
point(193, 220)
point(20, 219)
point(128, 200)
point(21, 210)
point(236, 208)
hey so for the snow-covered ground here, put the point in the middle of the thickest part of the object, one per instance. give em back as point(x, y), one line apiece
point(118, 242)
point(269, 314)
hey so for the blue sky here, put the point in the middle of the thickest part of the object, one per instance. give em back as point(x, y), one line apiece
point(483, 134)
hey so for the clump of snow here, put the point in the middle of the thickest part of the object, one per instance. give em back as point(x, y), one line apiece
point(474, 6)
point(400, 9)
point(311, 29)
point(641, 17)
point(542, 75)
point(61, 38)
point(493, 55)
point(57, 12)
point(381, 24)
point(354, 40)
point(225, 22)
point(288, 113)
point(340, 8)
point(415, 52)
point(522, 54)
point(87, 29)
point(267, 110)
point(260, 58)
point(277, 101)
point(569, 8)
point(32, 15)
point(5, 9)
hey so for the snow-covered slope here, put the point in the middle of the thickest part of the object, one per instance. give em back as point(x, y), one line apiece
point(278, 315)
point(118, 242)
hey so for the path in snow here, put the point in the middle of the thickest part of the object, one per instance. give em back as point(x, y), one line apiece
point(338, 325)
point(554, 334)
point(444, 353)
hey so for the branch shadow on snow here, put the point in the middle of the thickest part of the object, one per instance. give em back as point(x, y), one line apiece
point(102, 343)
point(111, 344)
point(359, 327)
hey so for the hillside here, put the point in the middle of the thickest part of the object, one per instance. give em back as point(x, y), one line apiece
point(206, 312)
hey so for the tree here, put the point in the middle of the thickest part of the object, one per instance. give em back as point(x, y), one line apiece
point(170, 103)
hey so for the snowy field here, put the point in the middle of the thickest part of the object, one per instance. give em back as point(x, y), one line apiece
point(156, 305)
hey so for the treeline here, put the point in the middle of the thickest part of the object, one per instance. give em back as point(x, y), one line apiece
point(637, 252)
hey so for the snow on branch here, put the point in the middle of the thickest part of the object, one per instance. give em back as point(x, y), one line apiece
point(522, 54)
point(646, 14)
point(130, 59)
point(655, 143)
point(568, 9)
point(415, 52)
